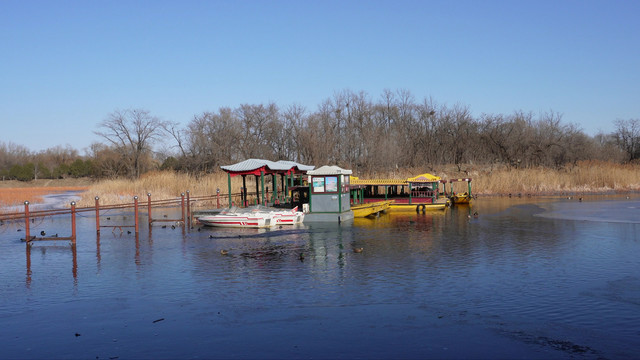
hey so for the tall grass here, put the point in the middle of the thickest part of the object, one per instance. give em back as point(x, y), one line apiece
point(585, 177)
point(162, 185)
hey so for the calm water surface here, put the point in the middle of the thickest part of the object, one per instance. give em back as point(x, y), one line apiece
point(527, 278)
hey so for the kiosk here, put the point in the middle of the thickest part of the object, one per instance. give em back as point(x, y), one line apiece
point(329, 195)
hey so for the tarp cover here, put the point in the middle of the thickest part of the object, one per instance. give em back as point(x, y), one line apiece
point(329, 170)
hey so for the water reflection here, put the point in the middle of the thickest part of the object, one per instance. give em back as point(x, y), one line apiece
point(507, 283)
point(44, 248)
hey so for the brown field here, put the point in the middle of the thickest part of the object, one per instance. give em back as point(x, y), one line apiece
point(10, 196)
point(585, 177)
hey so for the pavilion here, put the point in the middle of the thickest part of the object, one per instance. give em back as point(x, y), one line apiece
point(261, 168)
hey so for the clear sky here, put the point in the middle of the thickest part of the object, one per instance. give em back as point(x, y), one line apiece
point(65, 65)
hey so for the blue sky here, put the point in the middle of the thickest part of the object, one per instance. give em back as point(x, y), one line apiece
point(65, 65)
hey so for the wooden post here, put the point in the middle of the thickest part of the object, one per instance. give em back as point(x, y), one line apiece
point(410, 193)
point(229, 186)
point(262, 183)
point(73, 222)
point(310, 196)
point(182, 206)
point(149, 208)
point(97, 215)
point(257, 190)
point(245, 202)
point(188, 208)
point(274, 180)
point(339, 193)
point(135, 210)
point(27, 235)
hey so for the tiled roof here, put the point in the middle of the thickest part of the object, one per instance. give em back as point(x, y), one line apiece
point(253, 164)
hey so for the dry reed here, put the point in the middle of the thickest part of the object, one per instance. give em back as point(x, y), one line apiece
point(161, 185)
point(585, 177)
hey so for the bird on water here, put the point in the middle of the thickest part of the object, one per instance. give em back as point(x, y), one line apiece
point(358, 250)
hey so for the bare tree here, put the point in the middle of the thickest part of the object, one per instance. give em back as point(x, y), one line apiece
point(628, 137)
point(133, 133)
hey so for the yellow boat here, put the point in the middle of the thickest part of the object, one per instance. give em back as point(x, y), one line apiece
point(418, 207)
point(461, 198)
point(367, 209)
point(420, 193)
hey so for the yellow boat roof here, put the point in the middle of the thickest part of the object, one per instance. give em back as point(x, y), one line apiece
point(420, 178)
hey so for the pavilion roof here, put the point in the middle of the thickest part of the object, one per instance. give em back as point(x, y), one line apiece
point(329, 170)
point(256, 166)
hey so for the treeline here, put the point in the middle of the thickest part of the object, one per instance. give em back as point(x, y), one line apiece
point(18, 163)
point(396, 131)
point(349, 129)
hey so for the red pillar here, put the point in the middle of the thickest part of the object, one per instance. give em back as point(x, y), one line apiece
point(149, 208)
point(27, 235)
point(73, 222)
point(182, 205)
point(97, 215)
point(135, 210)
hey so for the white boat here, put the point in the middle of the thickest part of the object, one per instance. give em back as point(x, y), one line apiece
point(288, 217)
point(237, 217)
point(252, 217)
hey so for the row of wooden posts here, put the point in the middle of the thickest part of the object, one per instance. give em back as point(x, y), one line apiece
point(185, 218)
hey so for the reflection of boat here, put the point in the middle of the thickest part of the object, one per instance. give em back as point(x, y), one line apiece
point(461, 198)
point(367, 209)
point(419, 193)
point(252, 217)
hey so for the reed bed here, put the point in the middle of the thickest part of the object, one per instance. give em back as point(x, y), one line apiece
point(162, 185)
point(585, 177)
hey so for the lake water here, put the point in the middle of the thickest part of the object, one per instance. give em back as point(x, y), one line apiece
point(528, 278)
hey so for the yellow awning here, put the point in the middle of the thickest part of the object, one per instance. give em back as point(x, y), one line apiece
point(382, 182)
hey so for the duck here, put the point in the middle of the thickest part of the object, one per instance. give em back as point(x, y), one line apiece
point(224, 252)
point(475, 214)
point(42, 233)
point(301, 256)
point(358, 250)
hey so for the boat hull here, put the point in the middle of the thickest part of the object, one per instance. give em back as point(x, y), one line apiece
point(237, 221)
point(462, 199)
point(288, 218)
point(396, 207)
point(368, 209)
